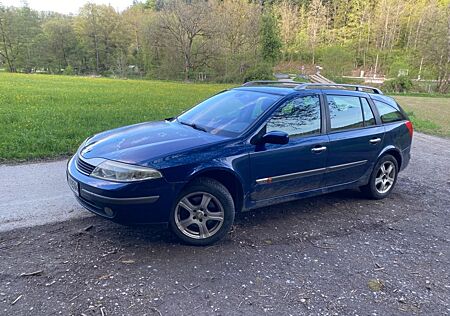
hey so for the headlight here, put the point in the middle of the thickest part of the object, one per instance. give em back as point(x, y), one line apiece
point(122, 172)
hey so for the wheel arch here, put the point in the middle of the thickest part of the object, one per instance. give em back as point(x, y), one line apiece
point(227, 178)
point(393, 151)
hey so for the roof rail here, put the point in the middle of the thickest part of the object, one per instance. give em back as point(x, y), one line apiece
point(338, 86)
point(270, 82)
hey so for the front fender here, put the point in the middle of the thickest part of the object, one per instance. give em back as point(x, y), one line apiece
point(229, 177)
point(202, 170)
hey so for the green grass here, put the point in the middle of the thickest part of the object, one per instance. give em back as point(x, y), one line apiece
point(428, 114)
point(421, 94)
point(44, 116)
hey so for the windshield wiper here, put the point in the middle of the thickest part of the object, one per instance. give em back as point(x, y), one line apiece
point(193, 125)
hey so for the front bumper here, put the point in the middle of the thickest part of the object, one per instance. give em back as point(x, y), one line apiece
point(141, 202)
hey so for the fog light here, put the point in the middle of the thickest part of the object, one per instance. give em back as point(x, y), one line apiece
point(108, 211)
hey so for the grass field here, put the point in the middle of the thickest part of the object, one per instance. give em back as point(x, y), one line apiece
point(44, 116)
point(429, 115)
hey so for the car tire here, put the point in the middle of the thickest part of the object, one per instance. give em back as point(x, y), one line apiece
point(383, 178)
point(203, 212)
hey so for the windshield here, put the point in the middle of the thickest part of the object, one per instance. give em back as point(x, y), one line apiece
point(229, 113)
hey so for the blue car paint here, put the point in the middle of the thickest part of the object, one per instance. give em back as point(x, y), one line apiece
point(182, 153)
point(140, 144)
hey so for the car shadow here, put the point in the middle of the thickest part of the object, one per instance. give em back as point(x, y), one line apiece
point(290, 216)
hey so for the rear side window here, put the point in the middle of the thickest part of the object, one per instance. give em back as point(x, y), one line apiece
point(345, 112)
point(297, 117)
point(388, 113)
point(369, 118)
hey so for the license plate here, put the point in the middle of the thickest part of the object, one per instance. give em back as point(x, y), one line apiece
point(73, 185)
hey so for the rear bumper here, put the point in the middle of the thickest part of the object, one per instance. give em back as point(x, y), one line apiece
point(129, 203)
point(406, 157)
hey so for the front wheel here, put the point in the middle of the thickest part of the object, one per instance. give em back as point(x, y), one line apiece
point(203, 213)
point(382, 179)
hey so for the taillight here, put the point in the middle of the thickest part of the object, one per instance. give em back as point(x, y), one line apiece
point(410, 128)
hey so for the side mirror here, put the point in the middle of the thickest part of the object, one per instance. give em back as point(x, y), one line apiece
point(275, 137)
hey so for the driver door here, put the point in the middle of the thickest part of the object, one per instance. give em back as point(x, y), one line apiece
point(299, 166)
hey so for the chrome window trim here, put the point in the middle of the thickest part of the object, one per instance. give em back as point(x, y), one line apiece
point(291, 176)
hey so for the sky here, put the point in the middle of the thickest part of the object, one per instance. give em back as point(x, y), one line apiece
point(65, 6)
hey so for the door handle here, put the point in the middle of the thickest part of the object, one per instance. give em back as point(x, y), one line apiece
point(318, 150)
point(375, 140)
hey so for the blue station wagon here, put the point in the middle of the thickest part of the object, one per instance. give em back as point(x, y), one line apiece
point(252, 146)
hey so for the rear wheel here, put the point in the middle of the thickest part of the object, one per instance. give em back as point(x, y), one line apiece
point(382, 179)
point(203, 213)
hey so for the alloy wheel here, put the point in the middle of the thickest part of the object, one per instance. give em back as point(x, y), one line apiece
point(385, 177)
point(199, 215)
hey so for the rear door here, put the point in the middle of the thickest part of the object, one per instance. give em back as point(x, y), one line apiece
point(280, 170)
point(355, 137)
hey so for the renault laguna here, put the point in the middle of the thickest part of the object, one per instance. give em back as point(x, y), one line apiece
point(248, 147)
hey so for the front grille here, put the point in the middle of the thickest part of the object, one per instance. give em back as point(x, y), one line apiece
point(84, 167)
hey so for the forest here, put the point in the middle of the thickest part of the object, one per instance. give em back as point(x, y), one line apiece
point(233, 40)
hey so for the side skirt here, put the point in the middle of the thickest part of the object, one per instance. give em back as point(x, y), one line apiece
point(251, 204)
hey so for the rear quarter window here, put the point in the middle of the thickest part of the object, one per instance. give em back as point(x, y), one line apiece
point(345, 112)
point(388, 113)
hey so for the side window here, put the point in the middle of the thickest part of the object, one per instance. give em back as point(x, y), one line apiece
point(345, 112)
point(369, 118)
point(388, 113)
point(297, 117)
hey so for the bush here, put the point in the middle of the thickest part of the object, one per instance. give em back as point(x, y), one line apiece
point(230, 78)
point(301, 79)
point(400, 84)
point(336, 60)
point(69, 71)
point(259, 72)
point(400, 63)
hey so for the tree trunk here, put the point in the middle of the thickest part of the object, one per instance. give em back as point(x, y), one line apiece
point(96, 54)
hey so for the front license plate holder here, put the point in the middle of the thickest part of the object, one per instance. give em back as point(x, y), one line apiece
point(74, 185)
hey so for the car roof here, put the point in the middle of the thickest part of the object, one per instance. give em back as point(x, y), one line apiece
point(282, 91)
point(285, 88)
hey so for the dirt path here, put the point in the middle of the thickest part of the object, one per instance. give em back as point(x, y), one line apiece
point(338, 254)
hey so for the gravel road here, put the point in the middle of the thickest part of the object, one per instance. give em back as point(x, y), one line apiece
point(337, 254)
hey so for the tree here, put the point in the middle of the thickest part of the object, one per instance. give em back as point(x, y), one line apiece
point(434, 44)
point(289, 17)
point(60, 41)
point(270, 39)
point(18, 30)
point(185, 26)
point(317, 24)
point(9, 47)
point(100, 31)
point(237, 42)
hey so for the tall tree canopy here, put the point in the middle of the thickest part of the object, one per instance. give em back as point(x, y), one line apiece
point(223, 39)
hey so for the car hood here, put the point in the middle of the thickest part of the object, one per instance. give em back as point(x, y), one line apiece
point(141, 143)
